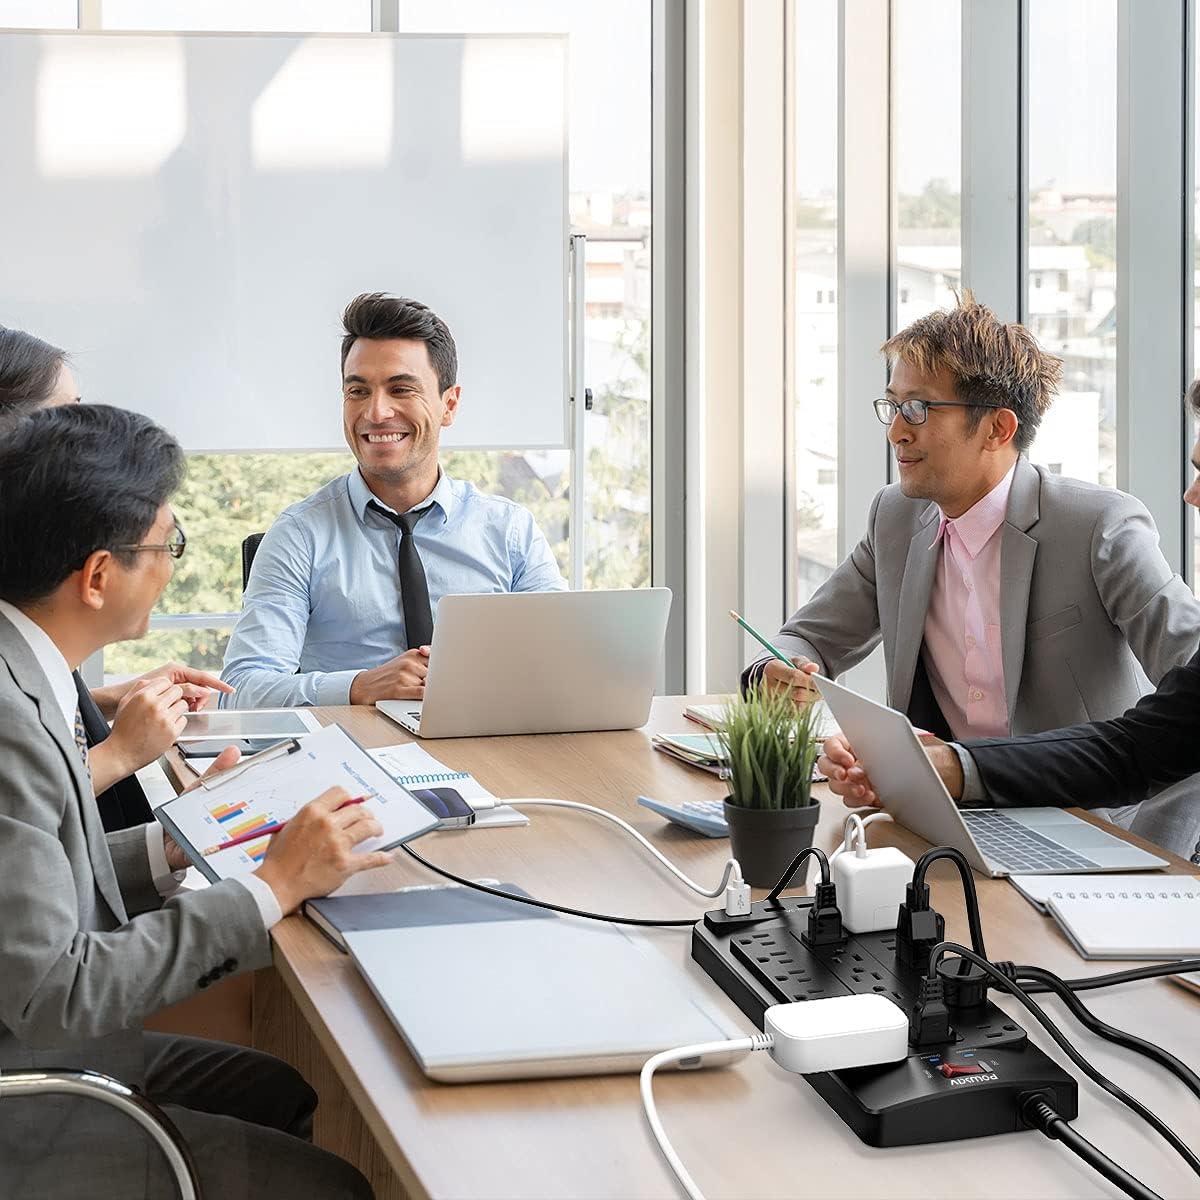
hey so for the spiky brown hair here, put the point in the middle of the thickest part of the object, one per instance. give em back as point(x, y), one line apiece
point(1193, 397)
point(992, 363)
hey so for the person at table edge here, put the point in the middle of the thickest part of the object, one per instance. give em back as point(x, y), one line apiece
point(343, 593)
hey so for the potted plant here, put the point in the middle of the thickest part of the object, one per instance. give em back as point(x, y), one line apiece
point(768, 744)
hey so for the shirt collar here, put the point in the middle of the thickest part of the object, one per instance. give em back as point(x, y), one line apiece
point(50, 658)
point(977, 525)
point(443, 495)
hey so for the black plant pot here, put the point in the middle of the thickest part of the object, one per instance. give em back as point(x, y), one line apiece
point(765, 840)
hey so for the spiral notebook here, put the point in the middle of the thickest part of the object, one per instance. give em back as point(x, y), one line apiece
point(1118, 919)
point(410, 764)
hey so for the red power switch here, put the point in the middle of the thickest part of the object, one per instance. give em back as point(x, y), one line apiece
point(950, 1070)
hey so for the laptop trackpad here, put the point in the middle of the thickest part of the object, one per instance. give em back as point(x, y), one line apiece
point(1067, 828)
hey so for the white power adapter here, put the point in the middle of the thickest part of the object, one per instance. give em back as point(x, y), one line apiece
point(836, 1033)
point(870, 883)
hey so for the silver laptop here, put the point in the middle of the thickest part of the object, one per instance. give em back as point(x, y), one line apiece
point(512, 992)
point(996, 841)
point(539, 662)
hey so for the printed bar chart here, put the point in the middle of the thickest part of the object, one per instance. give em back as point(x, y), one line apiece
point(249, 826)
point(226, 812)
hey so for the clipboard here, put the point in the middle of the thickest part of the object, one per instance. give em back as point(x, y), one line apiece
point(272, 786)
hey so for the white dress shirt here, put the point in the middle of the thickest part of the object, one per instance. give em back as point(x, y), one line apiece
point(62, 684)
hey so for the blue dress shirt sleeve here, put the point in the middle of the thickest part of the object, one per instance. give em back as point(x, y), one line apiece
point(264, 652)
point(534, 567)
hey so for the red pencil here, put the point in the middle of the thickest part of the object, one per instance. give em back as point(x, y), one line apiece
point(269, 830)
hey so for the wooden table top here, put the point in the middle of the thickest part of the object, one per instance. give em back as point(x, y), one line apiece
point(752, 1129)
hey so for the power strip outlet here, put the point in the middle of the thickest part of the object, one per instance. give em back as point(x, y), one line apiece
point(971, 1086)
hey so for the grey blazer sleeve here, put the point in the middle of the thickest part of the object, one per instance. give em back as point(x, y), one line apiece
point(839, 626)
point(132, 866)
point(1143, 597)
point(62, 982)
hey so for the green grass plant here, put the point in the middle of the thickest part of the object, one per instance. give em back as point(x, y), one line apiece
point(767, 741)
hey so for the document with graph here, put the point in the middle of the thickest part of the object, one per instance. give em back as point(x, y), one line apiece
point(271, 788)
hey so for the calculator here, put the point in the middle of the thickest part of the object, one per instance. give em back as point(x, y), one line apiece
point(704, 816)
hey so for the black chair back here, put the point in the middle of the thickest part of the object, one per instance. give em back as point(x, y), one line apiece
point(249, 550)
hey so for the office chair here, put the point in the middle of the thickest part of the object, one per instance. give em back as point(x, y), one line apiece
point(249, 550)
point(94, 1086)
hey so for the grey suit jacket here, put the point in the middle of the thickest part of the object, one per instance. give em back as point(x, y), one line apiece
point(1091, 614)
point(87, 948)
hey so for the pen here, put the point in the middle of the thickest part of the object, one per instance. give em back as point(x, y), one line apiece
point(269, 830)
point(279, 750)
point(762, 641)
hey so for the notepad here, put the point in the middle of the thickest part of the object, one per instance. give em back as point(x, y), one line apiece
point(412, 765)
point(703, 750)
point(1119, 919)
point(255, 795)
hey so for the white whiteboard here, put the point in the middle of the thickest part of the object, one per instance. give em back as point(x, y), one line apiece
point(187, 215)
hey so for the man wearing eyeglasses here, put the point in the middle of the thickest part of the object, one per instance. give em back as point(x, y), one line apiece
point(96, 936)
point(127, 724)
point(1009, 600)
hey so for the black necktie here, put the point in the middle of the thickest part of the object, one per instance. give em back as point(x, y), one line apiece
point(414, 591)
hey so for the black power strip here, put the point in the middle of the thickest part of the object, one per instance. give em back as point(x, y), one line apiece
point(970, 1086)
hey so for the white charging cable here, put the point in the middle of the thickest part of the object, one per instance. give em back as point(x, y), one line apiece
point(856, 829)
point(804, 1036)
point(733, 888)
point(759, 1041)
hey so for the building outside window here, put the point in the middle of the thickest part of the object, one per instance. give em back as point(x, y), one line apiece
point(1072, 231)
point(814, 333)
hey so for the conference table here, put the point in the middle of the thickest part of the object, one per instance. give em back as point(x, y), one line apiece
point(750, 1130)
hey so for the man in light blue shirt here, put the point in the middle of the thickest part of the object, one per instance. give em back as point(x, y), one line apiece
point(340, 605)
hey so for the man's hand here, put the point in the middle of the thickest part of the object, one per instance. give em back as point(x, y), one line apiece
point(148, 721)
point(848, 778)
point(796, 679)
point(197, 687)
point(401, 679)
point(313, 854)
point(229, 757)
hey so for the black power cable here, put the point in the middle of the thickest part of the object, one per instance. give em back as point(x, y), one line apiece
point(1064, 1044)
point(786, 879)
point(1110, 1033)
point(558, 908)
point(1038, 1114)
point(968, 883)
point(1090, 983)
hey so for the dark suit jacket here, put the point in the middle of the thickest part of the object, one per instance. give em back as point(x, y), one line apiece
point(1122, 761)
point(123, 805)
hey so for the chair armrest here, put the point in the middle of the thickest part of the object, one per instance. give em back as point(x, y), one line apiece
point(94, 1086)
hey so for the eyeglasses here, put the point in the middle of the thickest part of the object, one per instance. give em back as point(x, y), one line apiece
point(175, 547)
point(915, 411)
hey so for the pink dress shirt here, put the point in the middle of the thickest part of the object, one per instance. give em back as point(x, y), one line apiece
point(962, 626)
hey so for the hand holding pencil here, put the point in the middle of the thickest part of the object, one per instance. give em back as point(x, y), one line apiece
point(316, 851)
point(270, 830)
point(783, 673)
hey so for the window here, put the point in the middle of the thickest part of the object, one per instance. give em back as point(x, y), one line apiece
point(814, 501)
point(230, 496)
point(927, 90)
point(1072, 208)
point(39, 14)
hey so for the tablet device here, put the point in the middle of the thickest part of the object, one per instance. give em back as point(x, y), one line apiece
point(228, 724)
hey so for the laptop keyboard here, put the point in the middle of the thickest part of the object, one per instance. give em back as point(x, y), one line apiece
point(1015, 847)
